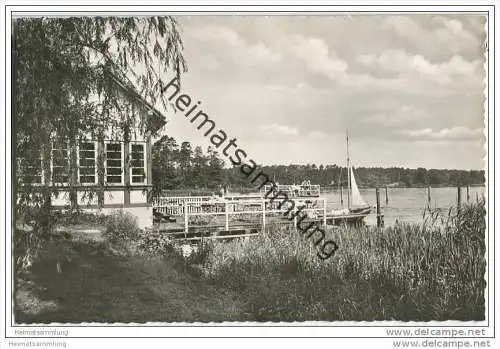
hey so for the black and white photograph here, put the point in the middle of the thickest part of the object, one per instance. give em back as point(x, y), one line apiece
point(221, 167)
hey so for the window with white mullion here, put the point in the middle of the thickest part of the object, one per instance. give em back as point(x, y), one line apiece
point(114, 163)
point(31, 167)
point(87, 160)
point(137, 163)
point(60, 163)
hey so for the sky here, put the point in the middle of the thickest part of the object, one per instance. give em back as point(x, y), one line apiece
point(409, 88)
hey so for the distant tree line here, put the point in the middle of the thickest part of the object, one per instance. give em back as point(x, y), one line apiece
point(184, 167)
point(333, 175)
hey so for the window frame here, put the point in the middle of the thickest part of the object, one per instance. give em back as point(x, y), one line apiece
point(96, 176)
point(68, 156)
point(42, 170)
point(144, 166)
point(122, 175)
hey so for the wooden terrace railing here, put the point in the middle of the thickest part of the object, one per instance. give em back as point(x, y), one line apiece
point(259, 209)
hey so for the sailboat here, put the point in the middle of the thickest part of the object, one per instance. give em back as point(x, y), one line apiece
point(357, 208)
point(356, 204)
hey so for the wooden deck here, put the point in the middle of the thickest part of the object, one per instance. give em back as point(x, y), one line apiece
point(208, 217)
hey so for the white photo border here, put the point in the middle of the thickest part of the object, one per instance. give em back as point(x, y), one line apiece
point(348, 329)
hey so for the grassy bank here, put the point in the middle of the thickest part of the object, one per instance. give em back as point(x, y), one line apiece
point(96, 283)
point(431, 271)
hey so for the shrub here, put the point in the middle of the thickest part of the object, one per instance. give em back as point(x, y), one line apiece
point(79, 217)
point(201, 220)
point(154, 243)
point(202, 253)
point(121, 229)
point(33, 227)
point(27, 243)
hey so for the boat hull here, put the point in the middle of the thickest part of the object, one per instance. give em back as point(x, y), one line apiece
point(354, 216)
point(360, 210)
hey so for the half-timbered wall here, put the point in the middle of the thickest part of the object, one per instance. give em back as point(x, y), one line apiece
point(114, 172)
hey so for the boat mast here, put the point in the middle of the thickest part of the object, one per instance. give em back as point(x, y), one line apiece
point(340, 188)
point(348, 171)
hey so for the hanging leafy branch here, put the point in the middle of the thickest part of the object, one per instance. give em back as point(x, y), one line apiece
point(74, 77)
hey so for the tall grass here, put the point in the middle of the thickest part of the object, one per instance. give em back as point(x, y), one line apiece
point(429, 271)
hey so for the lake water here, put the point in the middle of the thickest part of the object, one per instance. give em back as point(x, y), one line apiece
point(406, 204)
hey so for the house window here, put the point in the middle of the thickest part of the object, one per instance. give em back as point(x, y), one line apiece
point(32, 170)
point(137, 163)
point(114, 163)
point(87, 163)
point(60, 162)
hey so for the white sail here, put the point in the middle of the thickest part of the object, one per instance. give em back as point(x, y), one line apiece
point(356, 198)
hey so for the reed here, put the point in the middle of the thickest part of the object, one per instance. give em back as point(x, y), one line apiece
point(429, 271)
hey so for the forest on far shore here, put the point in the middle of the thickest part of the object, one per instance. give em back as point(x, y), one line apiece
point(184, 167)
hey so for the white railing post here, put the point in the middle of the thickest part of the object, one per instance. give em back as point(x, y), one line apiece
point(226, 208)
point(263, 215)
point(324, 213)
point(185, 216)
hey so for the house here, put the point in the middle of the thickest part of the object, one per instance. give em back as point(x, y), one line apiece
point(105, 173)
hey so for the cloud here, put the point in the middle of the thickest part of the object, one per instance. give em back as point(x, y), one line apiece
point(446, 32)
point(217, 33)
point(234, 46)
point(394, 116)
point(303, 80)
point(453, 33)
point(317, 134)
point(260, 52)
point(458, 133)
point(280, 129)
point(317, 57)
point(416, 66)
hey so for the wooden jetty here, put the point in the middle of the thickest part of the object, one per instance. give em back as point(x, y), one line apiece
point(205, 217)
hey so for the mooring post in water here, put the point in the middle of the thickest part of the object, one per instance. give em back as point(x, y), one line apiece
point(185, 216)
point(263, 215)
point(226, 211)
point(429, 195)
point(386, 196)
point(468, 194)
point(342, 196)
point(459, 199)
point(379, 218)
point(324, 213)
